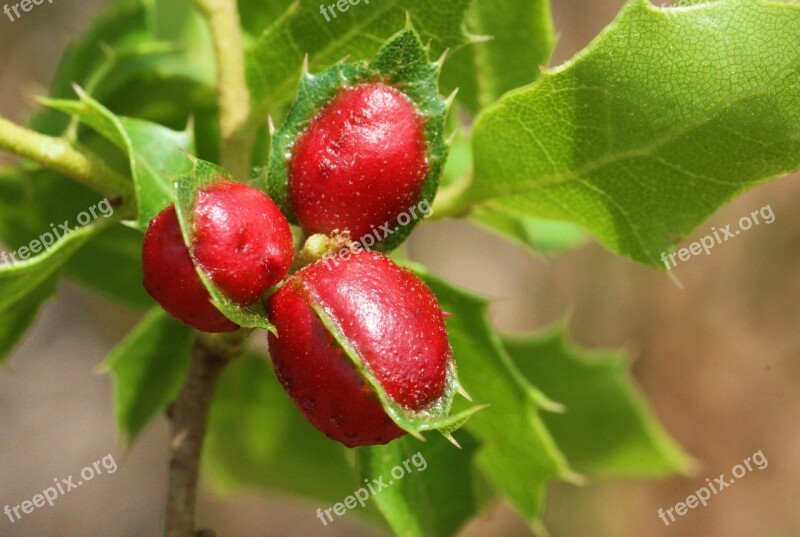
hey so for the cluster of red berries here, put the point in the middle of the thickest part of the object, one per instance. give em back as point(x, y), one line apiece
point(361, 162)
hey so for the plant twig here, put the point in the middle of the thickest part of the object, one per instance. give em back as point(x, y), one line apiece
point(189, 417)
point(189, 413)
point(233, 95)
point(59, 155)
point(452, 202)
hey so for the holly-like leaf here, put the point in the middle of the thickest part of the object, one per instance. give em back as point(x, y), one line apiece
point(430, 489)
point(607, 429)
point(153, 151)
point(204, 174)
point(542, 236)
point(517, 453)
point(174, 60)
point(133, 50)
point(25, 283)
point(665, 117)
point(118, 26)
point(273, 64)
point(111, 263)
point(257, 15)
point(20, 278)
point(256, 438)
point(15, 321)
point(458, 167)
point(402, 63)
point(182, 81)
point(510, 39)
point(33, 198)
point(148, 369)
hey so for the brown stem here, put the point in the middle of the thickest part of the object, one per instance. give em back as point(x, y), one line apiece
point(189, 417)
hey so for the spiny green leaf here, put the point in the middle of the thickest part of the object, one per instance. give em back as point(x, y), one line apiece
point(668, 115)
point(257, 438)
point(31, 198)
point(403, 63)
point(607, 429)
point(19, 279)
point(133, 50)
point(540, 235)
point(153, 151)
point(511, 38)
point(273, 64)
point(458, 168)
point(15, 321)
point(204, 174)
point(121, 24)
point(111, 263)
point(26, 284)
point(430, 487)
point(184, 83)
point(517, 453)
point(148, 369)
point(257, 15)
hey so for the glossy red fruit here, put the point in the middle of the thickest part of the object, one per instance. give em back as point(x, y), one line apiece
point(361, 162)
point(392, 321)
point(171, 279)
point(241, 241)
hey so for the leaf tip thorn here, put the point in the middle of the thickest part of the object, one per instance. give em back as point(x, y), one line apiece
point(442, 58)
point(448, 102)
point(452, 440)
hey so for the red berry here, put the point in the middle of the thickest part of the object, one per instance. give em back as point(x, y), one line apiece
point(241, 241)
point(391, 319)
point(171, 279)
point(361, 162)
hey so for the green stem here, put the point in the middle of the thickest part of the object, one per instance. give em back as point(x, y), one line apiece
point(452, 202)
point(233, 95)
point(61, 156)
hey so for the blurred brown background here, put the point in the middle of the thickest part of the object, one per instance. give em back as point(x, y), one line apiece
point(718, 360)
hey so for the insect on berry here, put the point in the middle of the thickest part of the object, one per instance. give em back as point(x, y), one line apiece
point(240, 240)
point(393, 326)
